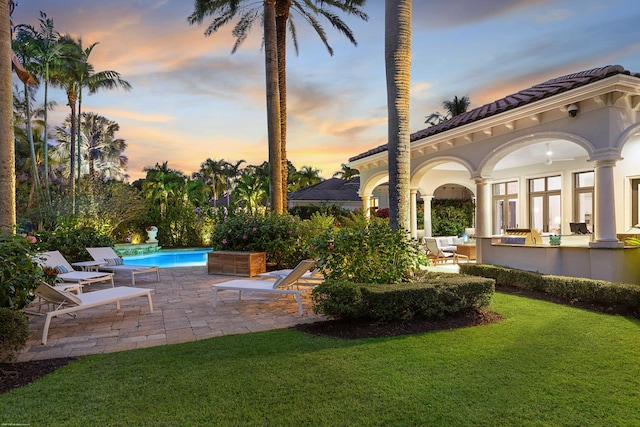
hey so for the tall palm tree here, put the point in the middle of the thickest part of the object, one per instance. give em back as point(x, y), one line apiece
point(398, 66)
point(23, 47)
point(48, 54)
point(226, 10)
point(72, 76)
point(7, 148)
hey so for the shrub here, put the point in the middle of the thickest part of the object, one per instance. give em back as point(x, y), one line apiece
point(19, 273)
point(431, 295)
point(284, 238)
point(72, 241)
point(366, 253)
point(570, 288)
point(14, 332)
point(451, 217)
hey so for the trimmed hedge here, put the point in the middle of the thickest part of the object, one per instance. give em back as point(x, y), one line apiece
point(430, 295)
point(571, 288)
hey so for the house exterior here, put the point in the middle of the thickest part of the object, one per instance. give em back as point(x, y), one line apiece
point(564, 151)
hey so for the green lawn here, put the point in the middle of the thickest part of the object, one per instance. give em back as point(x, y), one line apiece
point(544, 364)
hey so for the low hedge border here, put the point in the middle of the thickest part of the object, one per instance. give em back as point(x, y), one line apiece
point(570, 288)
point(430, 295)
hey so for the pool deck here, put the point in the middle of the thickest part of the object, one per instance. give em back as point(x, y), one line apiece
point(183, 312)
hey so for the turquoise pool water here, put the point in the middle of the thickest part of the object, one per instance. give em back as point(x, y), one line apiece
point(167, 258)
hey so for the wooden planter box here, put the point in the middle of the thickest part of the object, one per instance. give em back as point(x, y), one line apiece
point(236, 263)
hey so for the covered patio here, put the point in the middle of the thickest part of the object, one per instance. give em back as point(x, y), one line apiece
point(561, 152)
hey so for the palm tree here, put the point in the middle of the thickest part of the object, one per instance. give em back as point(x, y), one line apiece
point(454, 107)
point(72, 76)
point(7, 147)
point(398, 66)
point(307, 176)
point(23, 47)
point(250, 191)
point(226, 10)
point(346, 173)
point(213, 174)
point(48, 53)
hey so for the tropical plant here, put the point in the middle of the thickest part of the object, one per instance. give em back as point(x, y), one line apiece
point(97, 145)
point(346, 173)
point(398, 66)
point(366, 253)
point(305, 176)
point(250, 192)
point(20, 273)
point(226, 10)
point(453, 108)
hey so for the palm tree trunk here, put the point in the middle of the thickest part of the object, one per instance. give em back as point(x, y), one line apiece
point(7, 144)
point(273, 105)
point(46, 135)
point(79, 130)
point(282, 16)
point(398, 67)
point(72, 152)
point(32, 148)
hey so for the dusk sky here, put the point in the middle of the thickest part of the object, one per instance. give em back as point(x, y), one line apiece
point(192, 99)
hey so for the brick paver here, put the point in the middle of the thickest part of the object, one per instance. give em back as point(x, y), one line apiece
point(183, 312)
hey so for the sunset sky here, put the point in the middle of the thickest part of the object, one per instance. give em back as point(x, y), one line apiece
point(192, 99)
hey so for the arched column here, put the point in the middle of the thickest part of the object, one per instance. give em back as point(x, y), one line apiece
point(483, 207)
point(366, 202)
point(413, 211)
point(604, 225)
point(428, 225)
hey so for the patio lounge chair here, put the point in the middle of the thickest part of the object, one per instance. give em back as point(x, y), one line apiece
point(282, 285)
point(312, 277)
point(438, 252)
point(54, 259)
point(63, 302)
point(115, 263)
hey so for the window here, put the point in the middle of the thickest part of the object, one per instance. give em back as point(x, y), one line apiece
point(635, 203)
point(545, 203)
point(505, 206)
point(583, 198)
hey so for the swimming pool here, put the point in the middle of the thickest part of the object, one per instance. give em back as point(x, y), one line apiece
point(166, 258)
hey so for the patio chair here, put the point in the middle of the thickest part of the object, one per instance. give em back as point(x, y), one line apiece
point(312, 277)
point(54, 259)
point(115, 263)
point(437, 254)
point(282, 285)
point(64, 302)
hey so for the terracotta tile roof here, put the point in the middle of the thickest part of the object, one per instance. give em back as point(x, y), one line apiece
point(527, 96)
point(333, 189)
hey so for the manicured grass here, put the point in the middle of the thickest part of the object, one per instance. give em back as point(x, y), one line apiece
point(544, 365)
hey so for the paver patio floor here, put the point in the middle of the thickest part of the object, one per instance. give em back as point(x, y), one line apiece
point(183, 311)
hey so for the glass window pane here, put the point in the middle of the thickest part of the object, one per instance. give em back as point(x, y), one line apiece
point(512, 187)
point(536, 185)
point(537, 211)
point(585, 179)
point(554, 183)
point(585, 209)
point(555, 217)
point(498, 189)
point(498, 217)
point(512, 221)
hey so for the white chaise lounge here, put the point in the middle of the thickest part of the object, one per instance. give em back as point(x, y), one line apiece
point(115, 263)
point(54, 259)
point(63, 302)
point(282, 285)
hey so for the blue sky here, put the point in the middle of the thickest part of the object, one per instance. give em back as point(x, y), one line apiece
point(192, 99)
